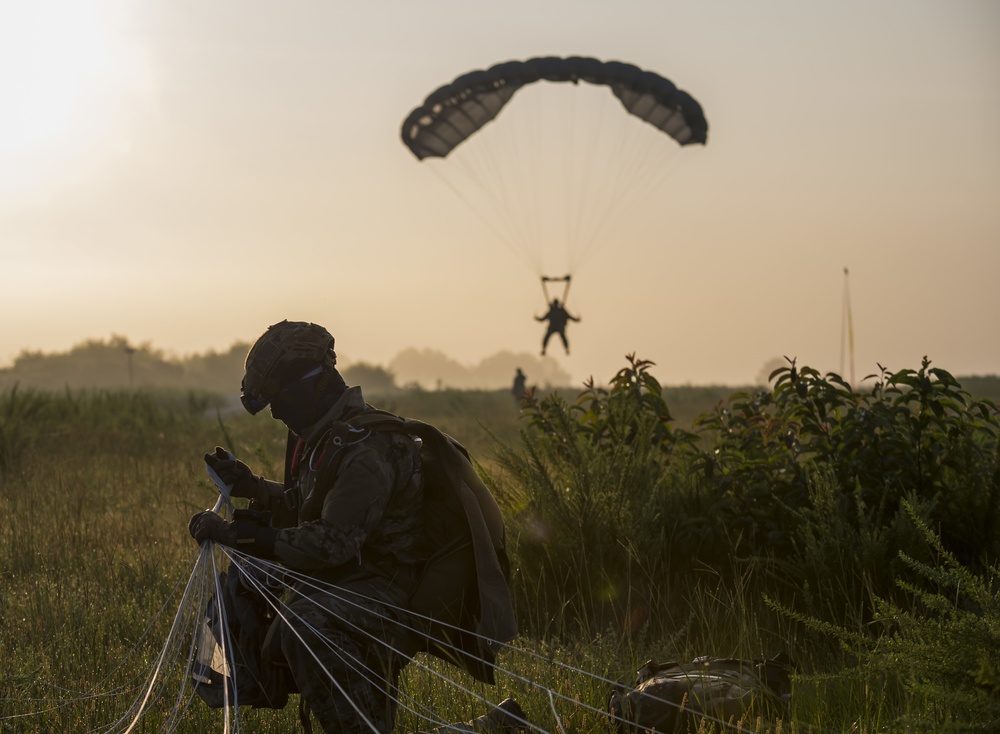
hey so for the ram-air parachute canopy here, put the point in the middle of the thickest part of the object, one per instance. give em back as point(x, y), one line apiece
point(457, 110)
point(568, 169)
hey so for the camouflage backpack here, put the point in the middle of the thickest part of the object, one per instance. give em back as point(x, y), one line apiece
point(673, 697)
point(462, 600)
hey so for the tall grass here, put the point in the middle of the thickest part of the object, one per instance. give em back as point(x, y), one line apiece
point(622, 552)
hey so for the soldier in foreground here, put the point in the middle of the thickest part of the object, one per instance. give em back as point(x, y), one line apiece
point(349, 512)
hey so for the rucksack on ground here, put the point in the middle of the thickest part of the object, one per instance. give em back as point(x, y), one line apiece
point(676, 697)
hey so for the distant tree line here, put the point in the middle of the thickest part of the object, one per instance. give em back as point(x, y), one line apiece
point(117, 363)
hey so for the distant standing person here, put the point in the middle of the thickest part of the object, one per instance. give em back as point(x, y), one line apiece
point(520, 386)
point(558, 317)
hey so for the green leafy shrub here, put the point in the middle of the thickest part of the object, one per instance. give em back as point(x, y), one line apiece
point(915, 436)
point(590, 513)
point(796, 491)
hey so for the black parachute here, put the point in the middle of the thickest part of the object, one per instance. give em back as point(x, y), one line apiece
point(455, 111)
point(564, 171)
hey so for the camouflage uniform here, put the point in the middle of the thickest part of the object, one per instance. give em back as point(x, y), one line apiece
point(348, 514)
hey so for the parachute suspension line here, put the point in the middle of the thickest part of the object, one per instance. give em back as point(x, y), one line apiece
point(140, 704)
point(194, 596)
point(528, 147)
point(209, 588)
point(490, 166)
point(639, 168)
point(568, 177)
point(528, 186)
point(566, 289)
point(190, 612)
point(545, 288)
point(555, 713)
point(571, 181)
point(847, 330)
point(312, 586)
point(505, 191)
point(530, 150)
point(502, 236)
point(651, 176)
point(588, 192)
point(180, 706)
point(610, 192)
point(359, 666)
point(522, 189)
point(226, 643)
point(543, 189)
point(629, 158)
point(184, 626)
point(635, 159)
point(152, 669)
point(328, 644)
point(633, 192)
point(95, 693)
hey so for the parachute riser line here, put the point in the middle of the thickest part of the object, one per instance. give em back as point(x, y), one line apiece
point(546, 279)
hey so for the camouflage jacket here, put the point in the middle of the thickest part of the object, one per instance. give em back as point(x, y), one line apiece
point(350, 505)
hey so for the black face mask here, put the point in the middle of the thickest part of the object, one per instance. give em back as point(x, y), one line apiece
point(304, 402)
point(295, 406)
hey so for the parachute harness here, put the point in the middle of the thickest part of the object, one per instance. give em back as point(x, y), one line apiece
point(341, 435)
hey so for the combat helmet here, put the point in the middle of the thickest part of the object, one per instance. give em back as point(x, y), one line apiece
point(286, 352)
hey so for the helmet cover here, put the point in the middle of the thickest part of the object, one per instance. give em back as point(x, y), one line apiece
point(283, 354)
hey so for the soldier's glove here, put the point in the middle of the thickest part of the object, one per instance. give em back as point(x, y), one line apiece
point(209, 526)
point(242, 482)
point(249, 531)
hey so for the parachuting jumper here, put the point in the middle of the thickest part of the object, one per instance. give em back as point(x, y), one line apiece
point(561, 174)
point(558, 317)
point(455, 111)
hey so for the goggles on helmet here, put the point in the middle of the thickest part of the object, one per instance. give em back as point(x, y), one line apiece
point(254, 406)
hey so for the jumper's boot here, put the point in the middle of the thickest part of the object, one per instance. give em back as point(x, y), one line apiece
point(506, 718)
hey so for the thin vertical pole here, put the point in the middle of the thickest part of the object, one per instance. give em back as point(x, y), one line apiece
point(847, 331)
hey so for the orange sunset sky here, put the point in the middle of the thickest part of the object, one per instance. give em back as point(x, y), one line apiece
point(185, 173)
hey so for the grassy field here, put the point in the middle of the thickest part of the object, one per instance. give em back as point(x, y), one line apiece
point(96, 489)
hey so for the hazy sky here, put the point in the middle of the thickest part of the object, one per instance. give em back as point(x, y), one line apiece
point(184, 173)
